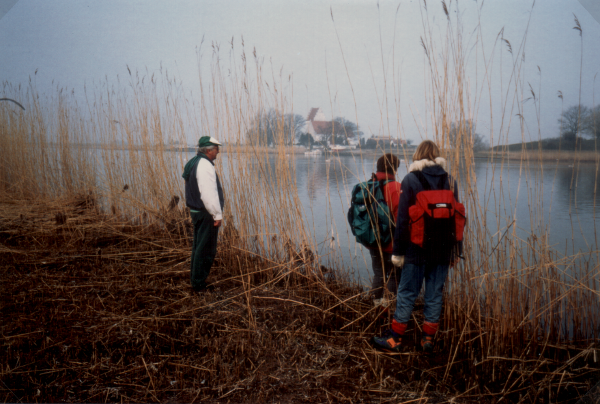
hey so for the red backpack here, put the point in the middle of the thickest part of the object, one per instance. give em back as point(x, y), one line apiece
point(437, 220)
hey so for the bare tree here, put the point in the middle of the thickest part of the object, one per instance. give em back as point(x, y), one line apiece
point(573, 123)
point(274, 128)
point(294, 124)
point(477, 141)
point(345, 129)
point(592, 123)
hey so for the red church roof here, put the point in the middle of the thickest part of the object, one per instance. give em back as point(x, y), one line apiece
point(325, 127)
point(312, 113)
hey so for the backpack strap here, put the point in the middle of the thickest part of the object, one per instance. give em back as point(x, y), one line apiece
point(382, 185)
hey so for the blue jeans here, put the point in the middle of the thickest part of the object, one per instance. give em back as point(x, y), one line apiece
point(410, 286)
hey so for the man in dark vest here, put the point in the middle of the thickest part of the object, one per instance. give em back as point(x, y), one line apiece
point(204, 197)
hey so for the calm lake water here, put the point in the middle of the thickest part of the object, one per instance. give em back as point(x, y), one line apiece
point(552, 199)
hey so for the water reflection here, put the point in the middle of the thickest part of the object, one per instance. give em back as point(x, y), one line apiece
point(556, 201)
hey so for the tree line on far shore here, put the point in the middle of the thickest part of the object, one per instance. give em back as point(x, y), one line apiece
point(272, 128)
point(579, 130)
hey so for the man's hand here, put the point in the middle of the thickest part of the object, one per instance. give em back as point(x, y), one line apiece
point(217, 223)
point(398, 260)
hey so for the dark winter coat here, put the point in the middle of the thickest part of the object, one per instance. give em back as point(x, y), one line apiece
point(413, 254)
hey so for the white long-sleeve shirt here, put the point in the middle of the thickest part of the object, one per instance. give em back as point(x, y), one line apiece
point(207, 184)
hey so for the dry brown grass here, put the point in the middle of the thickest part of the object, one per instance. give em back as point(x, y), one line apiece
point(95, 308)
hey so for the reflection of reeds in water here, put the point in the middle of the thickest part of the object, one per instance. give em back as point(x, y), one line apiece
point(513, 306)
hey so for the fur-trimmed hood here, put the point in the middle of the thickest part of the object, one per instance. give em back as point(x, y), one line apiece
point(419, 165)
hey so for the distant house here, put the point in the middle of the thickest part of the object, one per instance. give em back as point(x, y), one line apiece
point(382, 141)
point(315, 114)
point(321, 129)
point(317, 126)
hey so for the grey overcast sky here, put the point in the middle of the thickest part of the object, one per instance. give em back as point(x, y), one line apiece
point(77, 43)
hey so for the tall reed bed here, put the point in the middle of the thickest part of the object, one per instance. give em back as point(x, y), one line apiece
point(125, 147)
point(512, 296)
point(514, 306)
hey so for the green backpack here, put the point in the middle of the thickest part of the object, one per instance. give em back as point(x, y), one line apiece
point(369, 215)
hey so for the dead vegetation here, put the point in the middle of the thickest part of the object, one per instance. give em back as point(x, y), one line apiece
point(95, 308)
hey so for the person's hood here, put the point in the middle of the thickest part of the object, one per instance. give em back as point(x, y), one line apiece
point(420, 165)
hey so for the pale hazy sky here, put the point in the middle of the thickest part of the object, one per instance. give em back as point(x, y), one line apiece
point(77, 43)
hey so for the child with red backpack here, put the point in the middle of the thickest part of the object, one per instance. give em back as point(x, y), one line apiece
point(427, 241)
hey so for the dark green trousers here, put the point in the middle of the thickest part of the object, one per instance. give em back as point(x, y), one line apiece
point(204, 248)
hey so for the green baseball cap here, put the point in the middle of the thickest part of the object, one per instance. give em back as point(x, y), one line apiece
point(206, 141)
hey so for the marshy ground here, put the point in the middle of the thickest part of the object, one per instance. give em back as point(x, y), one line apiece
point(96, 308)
